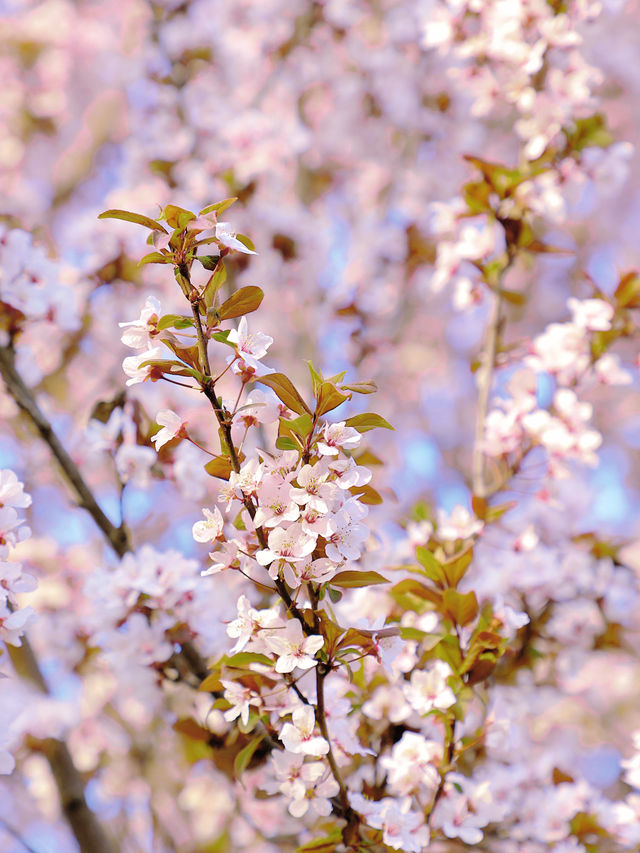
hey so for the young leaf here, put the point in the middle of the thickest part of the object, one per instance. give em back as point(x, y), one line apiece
point(286, 443)
point(316, 378)
point(138, 218)
point(367, 495)
point(176, 321)
point(219, 206)
point(209, 262)
point(411, 594)
point(361, 387)
point(243, 301)
point(363, 423)
point(214, 284)
point(242, 660)
point(432, 568)
point(286, 391)
point(351, 579)
point(329, 397)
point(461, 607)
point(246, 241)
point(243, 758)
point(219, 467)
point(222, 337)
point(301, 426)
point(456, 568)
point(628, 290)
point(155, 258)
point(177, 217)
point(211, 684)
point(326, 844)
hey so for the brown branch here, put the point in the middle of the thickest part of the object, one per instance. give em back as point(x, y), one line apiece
point(208, 387)
point(86, 827)
point(118, 537)
point(485, 377)
point(84, 824)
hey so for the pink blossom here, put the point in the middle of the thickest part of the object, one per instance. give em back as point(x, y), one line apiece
point(171, 423)
point(209, 529)
point(250, 347)
point(293, 648)
point(459, 524)
point(290, 545)
point(136, 367)
point(335, 436)
point(299, 736)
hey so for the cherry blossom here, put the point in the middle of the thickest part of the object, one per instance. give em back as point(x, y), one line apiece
point(299, 736)
point(290, 545)
point(292, 648)
point(428, 690)
point(209, 529)
point(140, 332)
point(338, 435)
point(250, 347)
point(250, 621)
point(136, 367)
point(171, 424)
point(459, 524)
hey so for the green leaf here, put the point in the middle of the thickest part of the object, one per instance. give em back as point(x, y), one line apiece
point(138, 218)
point(590, 132)
point(209, 262)
point(628, 290)
point(316, 378)
point(367, 495)
point(283, 442)
point(335, 595)
point(211, 684)
point(243, 758)
point(219, 467)
point(177, 217)
point(246, 241)
point(410, 595)
point(286, 391)
point(352, 579)
point(459, 606)
point(155, 258)
point(326, 844)
point(363, 423)
point(329, 398)
point(408, 633)
point(243, 301)
point(176, 321)
point(222, 337)
point(448, 650)
point(300, 426)
point(432, 567)
point(242, 659)
point(219, 206)
point(456, 568)
point(214, 284)
point(361, 387)
point(502, 179)
point(189, 728)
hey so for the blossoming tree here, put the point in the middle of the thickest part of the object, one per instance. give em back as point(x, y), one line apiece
point(248, 611)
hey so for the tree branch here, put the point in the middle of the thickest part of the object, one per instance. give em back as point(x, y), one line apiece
point(485, 379)
point(86, 827)
point(118, 537)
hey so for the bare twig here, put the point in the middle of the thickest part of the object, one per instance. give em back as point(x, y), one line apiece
point(485, 379)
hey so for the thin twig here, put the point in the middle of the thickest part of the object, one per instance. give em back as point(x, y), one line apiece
point(485, 378)
point(16, 835)
point(118, 537)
